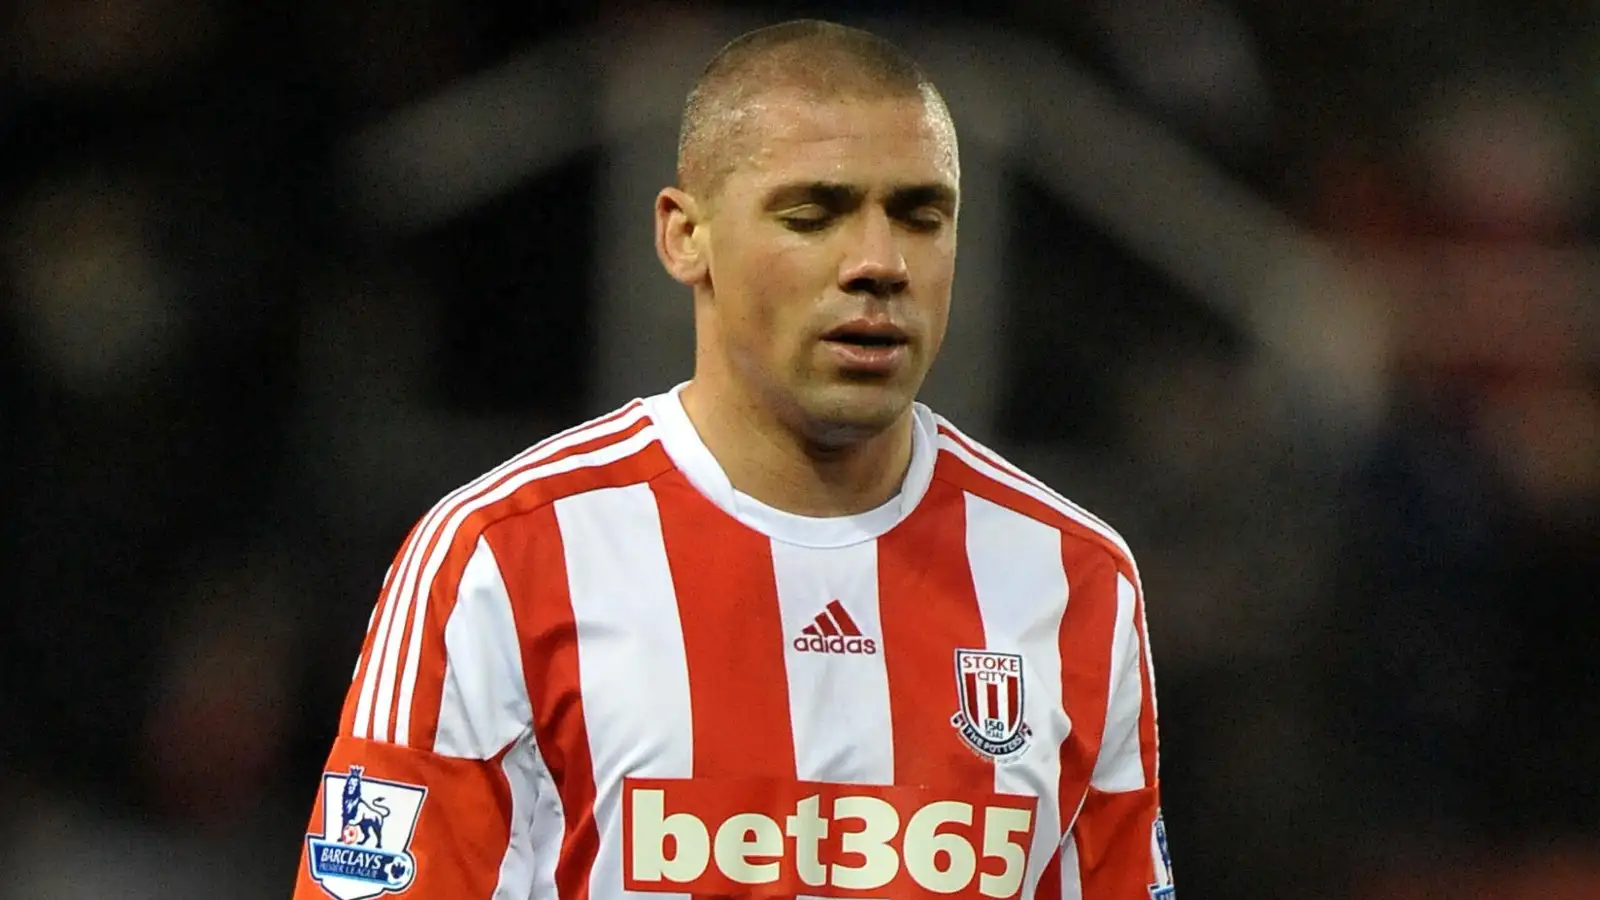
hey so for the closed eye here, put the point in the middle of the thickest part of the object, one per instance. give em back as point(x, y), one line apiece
point(806, 221)
point(923, 208)
point(924, 220)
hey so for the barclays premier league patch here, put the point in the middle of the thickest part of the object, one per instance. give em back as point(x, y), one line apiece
point(1163, 889)
point(364, 849)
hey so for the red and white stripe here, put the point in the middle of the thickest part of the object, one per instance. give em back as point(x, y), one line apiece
point(995, 467)
point(405, 597)
point(1099, 564)
point(583, 613)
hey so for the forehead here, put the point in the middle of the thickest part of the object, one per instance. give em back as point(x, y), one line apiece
point(788, 136)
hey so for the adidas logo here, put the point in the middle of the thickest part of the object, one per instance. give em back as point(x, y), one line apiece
point(834, 631)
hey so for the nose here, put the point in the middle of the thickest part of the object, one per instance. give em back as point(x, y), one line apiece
point(874, 263)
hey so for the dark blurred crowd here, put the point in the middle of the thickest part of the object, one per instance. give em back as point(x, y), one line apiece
point(224, 398)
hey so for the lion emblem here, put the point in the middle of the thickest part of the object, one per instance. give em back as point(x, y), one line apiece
point(361, 820)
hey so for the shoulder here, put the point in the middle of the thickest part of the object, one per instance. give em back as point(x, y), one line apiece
point(446, 598)
point(617, 449)
point(978, 470)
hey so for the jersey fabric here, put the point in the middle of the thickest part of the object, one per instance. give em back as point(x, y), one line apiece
point(598, 671)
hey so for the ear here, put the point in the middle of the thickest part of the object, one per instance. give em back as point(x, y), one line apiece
point(680, 238)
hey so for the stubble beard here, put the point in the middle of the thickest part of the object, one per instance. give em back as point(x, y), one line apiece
point(827, 413)
point(838, 414)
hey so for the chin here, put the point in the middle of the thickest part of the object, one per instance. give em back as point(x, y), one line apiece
point(843, 415)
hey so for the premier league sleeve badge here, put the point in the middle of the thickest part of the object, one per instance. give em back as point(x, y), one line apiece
point(364, 849)
point(1163, 888)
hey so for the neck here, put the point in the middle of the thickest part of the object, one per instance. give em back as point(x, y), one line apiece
point(772, 461)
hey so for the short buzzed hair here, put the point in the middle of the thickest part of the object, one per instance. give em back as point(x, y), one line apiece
point(820, 60)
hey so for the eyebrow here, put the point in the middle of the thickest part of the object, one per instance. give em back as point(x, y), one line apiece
point(837, 196)
point(915, 196)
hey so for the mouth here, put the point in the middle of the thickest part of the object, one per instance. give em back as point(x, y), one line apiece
point(868, 348)
point(868, 334)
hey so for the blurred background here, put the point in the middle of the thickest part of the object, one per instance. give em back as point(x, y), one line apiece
point(1300, 296)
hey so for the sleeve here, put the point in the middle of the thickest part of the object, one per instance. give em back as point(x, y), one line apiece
point(434, 764)
point(1119, 836)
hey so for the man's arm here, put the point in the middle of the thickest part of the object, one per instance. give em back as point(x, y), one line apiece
point(434, 761)
point(1119, 839)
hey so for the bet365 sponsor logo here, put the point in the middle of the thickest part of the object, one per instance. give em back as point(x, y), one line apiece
point(701, 836)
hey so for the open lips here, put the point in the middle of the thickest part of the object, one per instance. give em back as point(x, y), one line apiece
point(867, 333)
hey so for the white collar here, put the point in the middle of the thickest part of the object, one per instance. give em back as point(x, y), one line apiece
point(690, 454)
